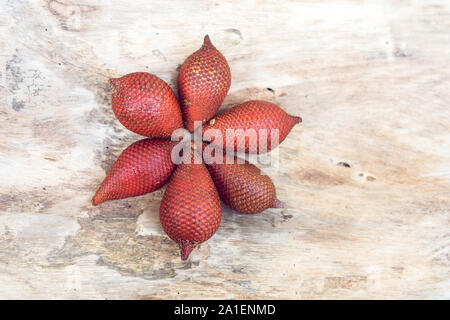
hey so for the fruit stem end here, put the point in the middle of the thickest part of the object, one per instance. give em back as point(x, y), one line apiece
point(186, 248)
point(97, 199)
point(207, 41)
point(297, 119)
point(278, 204)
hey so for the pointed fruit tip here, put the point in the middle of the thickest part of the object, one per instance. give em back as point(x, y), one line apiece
point(207, 41)
point(297, 119)
point(186, 249)
point(113, 81)
point(278, 204)
point(97, 199)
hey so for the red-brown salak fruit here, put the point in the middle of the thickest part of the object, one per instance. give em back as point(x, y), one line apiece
point(203, 83)
point(146, 105)
point(190, 210)
point(241, 185)
point(251, 123)
point(143, 167)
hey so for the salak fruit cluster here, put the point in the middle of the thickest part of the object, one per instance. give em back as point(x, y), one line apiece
point(190, 211)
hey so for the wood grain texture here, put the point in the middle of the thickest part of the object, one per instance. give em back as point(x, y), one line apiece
point(370, 80)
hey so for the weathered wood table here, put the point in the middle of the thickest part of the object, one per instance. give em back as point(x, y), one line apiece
point(366, 176)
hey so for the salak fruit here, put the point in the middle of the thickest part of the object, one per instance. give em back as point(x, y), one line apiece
point(146, 105)
point(241, 186)
point(203, 83)
point(143, 167)
point(252, 124)
point(190, 210)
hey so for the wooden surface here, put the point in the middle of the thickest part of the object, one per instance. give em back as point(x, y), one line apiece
point(371, 80)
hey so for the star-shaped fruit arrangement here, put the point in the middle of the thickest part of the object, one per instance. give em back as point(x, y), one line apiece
point(190, 210)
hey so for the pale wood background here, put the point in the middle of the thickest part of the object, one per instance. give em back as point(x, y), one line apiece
point(371, 80)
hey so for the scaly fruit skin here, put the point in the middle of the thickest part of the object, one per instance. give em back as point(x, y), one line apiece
point(143, 167)
point(190, 210)
point(254, 116)
point(203, 83)
point(146, 105)
point(241, 185)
